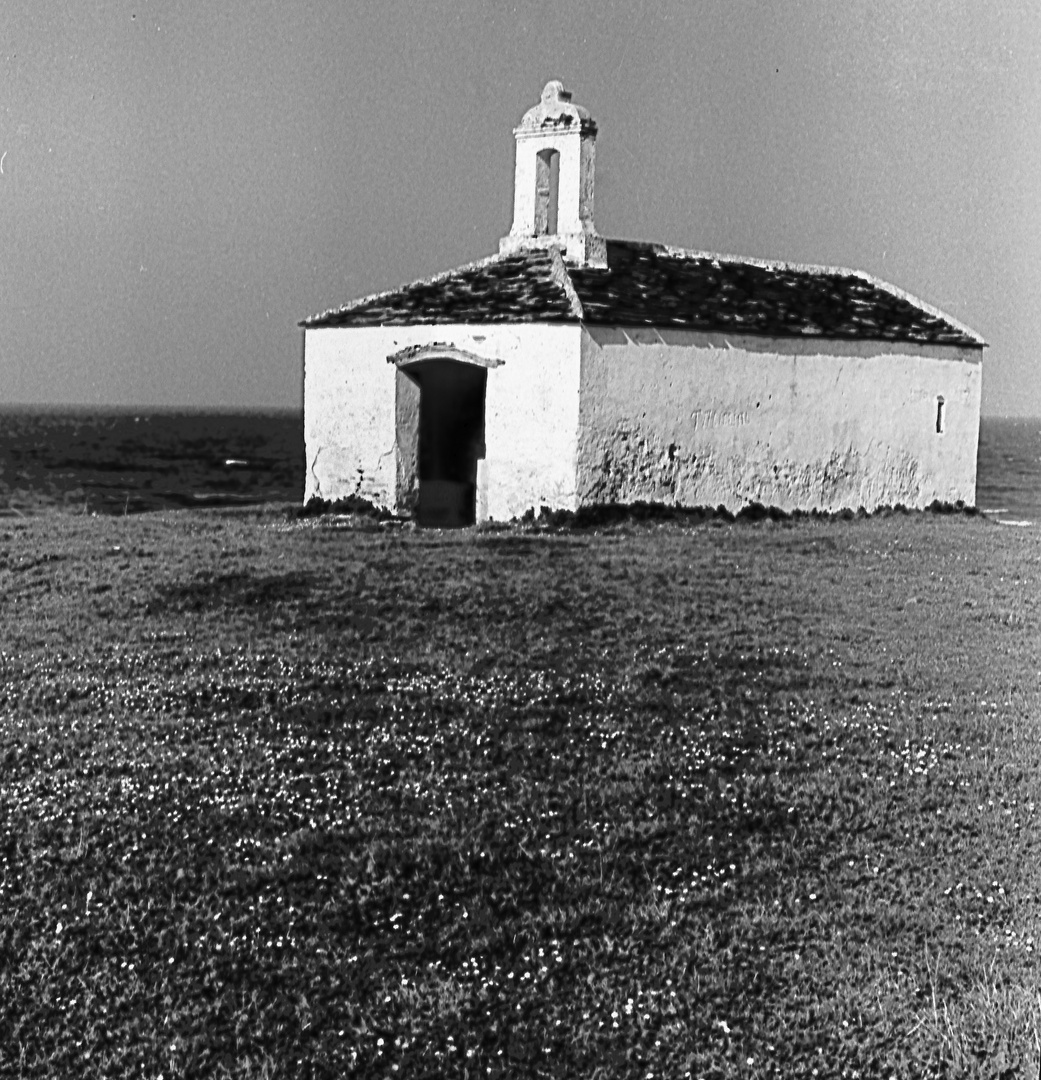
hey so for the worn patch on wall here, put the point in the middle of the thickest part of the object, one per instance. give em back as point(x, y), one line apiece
point(635, 464)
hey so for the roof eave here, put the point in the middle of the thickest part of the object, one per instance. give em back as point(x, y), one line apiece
point(372, 298)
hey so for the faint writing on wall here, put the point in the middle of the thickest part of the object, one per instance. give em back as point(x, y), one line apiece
point(718, 418)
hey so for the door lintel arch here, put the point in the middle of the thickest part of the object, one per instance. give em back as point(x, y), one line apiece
point(437, 350)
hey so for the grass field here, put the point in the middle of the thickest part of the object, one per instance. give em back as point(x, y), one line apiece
point(284, 797)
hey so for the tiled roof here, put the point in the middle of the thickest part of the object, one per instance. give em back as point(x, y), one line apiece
point(652, 285)
point(527, 286)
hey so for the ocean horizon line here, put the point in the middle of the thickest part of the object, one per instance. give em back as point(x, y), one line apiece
point(84, 409)
point(38, 409)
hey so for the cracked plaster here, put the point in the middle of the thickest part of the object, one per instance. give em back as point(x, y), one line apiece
point(701, 421)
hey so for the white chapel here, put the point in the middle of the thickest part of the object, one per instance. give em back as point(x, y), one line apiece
point(567, 370)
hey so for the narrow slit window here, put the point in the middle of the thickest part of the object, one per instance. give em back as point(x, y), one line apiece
point(547, 188)
point(941, 415)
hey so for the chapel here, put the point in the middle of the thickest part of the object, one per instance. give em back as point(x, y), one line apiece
point(569, 370)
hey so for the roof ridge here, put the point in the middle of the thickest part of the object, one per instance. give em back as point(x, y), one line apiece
point(813, 268)
point(559, 273)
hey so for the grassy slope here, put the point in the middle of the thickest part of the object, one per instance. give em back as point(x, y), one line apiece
point(292, 799)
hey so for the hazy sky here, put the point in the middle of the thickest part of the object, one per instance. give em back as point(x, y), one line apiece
point(182, 182)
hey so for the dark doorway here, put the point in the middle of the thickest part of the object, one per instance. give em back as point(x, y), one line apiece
point(450, 440)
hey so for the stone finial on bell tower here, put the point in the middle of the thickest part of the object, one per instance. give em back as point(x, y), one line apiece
point(555, 140)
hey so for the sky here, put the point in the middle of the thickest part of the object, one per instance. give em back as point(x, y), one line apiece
point(181, 183)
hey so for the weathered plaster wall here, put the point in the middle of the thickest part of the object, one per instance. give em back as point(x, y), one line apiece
point(531, 420)
point(707, 419)
point(349, 430)
point(531, 412)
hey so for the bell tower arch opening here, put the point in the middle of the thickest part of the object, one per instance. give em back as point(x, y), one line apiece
point(547, 192)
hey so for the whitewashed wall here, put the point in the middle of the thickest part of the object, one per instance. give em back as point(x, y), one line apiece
point(707, 419)
point(531, 421)
point(348, 415)
point(531, 412)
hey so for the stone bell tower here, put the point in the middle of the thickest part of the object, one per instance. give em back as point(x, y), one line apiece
point(555, 140)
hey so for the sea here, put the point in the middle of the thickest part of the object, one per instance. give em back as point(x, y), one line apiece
point(127, 461)
point(1008, 470)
